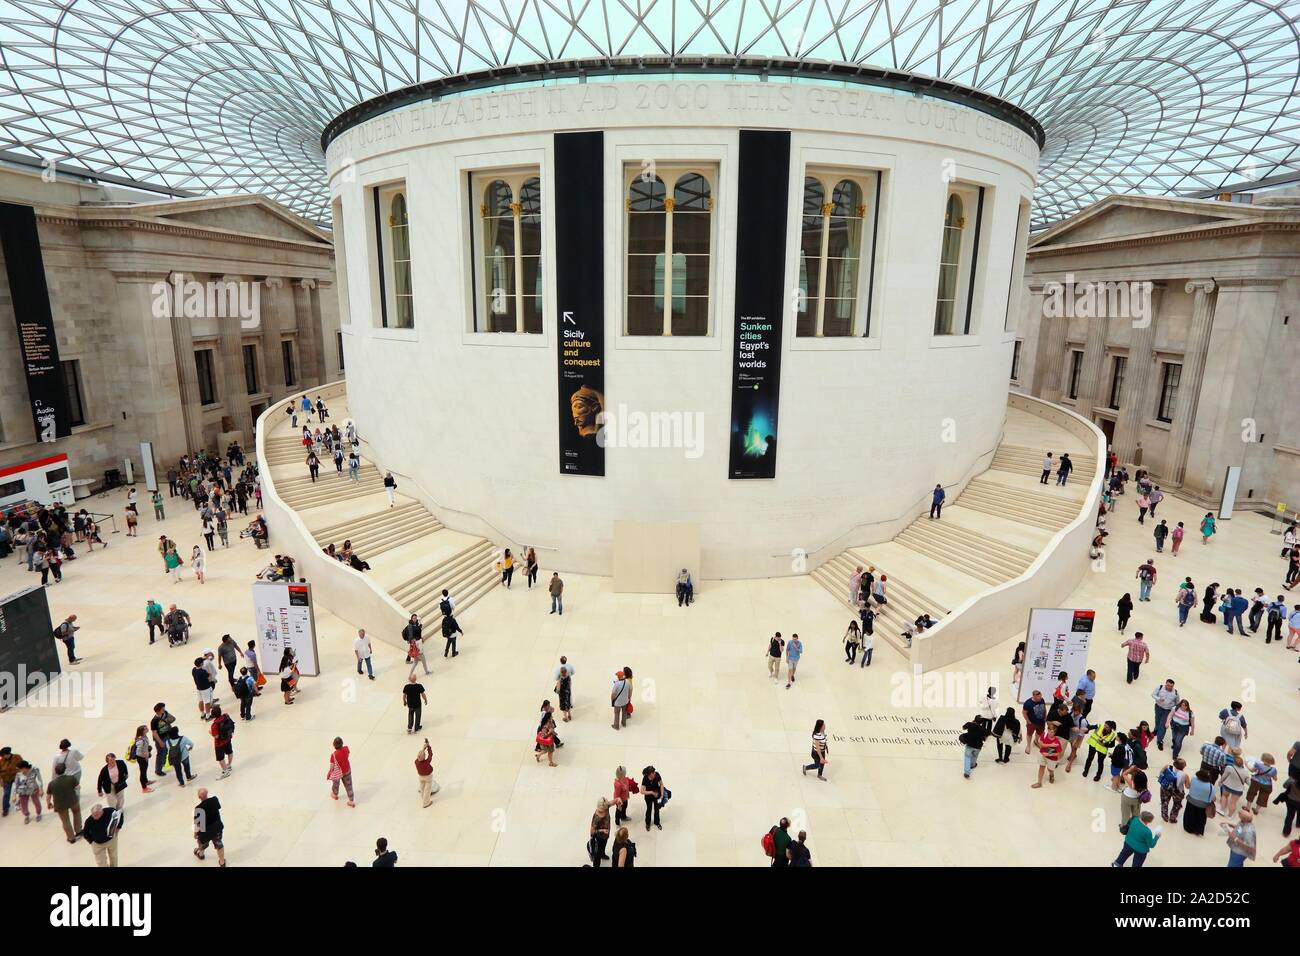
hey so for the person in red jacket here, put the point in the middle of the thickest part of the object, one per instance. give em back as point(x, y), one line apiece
point(1049, 754)
point(624, 788)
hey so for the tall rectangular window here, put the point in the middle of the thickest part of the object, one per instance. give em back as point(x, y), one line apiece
point(340, 262)
point(286, 356)
point(837, 252)
point(72, 382)
point(393, 247)
point(1017, 265)
point(207, 380)
point(339, 337)
point(958, 259)
point(250, 369)
point(1076, 367)
point(1117, 380)
point(1015, 360)
point(508, 252)
point(1171, 375)
point(668, 250)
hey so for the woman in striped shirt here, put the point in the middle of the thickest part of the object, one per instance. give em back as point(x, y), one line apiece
point(820, 752)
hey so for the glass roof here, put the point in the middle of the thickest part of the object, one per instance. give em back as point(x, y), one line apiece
point(220, 96)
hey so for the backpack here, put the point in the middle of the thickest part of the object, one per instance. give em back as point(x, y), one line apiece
point(774, 649)
point(1145, 573)
point(769, 843)
point(241, 689)
point(1168, 777)
point(227, 726)
point(1231, 727)
point(445, 607)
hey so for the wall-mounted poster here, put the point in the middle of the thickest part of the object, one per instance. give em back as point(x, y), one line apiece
point(580, 296)
point(29, 652)
point(283, 618)
point(1057, 640)
point(46, 389)
point(760, 301)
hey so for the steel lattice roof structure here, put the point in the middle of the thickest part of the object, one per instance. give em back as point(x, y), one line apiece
point(218, 96)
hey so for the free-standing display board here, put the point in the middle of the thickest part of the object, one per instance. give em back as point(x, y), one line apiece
point(648, 555)
point(1057, 640)
point(285, 619)
point(29, 653)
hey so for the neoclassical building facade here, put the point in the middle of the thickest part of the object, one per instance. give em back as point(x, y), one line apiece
point(176, 321)
point(1172, 324)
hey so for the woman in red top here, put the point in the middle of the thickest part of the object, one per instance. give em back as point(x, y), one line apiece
point(1049, 754)
point(340, 770)
point(624, 788)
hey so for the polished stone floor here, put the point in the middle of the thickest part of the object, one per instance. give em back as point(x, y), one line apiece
point(728, 741)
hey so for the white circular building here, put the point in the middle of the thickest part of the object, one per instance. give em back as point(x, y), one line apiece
point(641, 284)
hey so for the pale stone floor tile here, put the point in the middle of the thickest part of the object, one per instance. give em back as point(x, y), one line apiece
point(728, 740)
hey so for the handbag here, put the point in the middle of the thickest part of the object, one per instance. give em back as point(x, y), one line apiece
point(261, 679)
point(335, 771)
point(628, 709)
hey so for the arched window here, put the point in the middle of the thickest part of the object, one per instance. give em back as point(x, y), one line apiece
point(403, 299)
point(510, 278)
point(954, 221)
point(958, 255)
point(832, 236)
point(669, 245)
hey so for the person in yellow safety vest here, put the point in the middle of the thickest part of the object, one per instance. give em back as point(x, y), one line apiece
point(1100, 741)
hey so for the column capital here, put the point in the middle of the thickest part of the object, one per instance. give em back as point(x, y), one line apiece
point(1202, 286)
point(306, 283)
point(274, 282)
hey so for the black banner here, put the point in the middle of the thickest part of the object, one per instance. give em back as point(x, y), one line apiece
point(31, 300)
point(580, 298)
point(761, 199)
point(29, 653)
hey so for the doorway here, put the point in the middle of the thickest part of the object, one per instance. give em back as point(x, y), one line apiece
point(1107, 426)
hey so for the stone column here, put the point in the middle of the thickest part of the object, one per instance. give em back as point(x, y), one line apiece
point(187, 375)
point(1050, 354)
point(310, 359)
point(326, 310)
point(1094, 361)
point(1189, 383)
point(273, 306)
point(1137, 381)
point(234, 386)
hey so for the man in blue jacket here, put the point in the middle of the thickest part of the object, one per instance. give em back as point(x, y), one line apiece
point(936, 502)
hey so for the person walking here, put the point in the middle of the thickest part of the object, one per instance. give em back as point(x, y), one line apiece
point(1235, 609)
point(1138, 654)
point(414, 696)
point(198, 563)
point(1146, 575)
point(29, 787)
point(450, 632)
point(556, 589)
point(820, 750)
point(1176, 538)
point(112, 781)
point(222, 730)
point(228, 650)
point(973, 735)
point(1241, 837)
point(1173, 781)
point(179, 748)
point(1263, 774)
point(1006, 734)
point(363, 651)
point(340, 771)
point(354, 466)
point(1047, 468)
point(1275, 614)
point(654, 792)
point(1064, 468)
point(1290, 795)
point(1200, 796)
point(564, 688)
point(63, 796)
point(507, 566)
point(530, 566)
point(69, 758)
point(781, 840)
point(313, 466)
point(793, 654)
point(1139, 840)
point(153, 617)
point(1160, 534)
point(424, 773)
point(1143, 506)
point(1049, 754)
point(1124, 611)
point(338, 460)
point(868, 637)
point(620, 696)
point(936, 502)
point(599, 833)
point(852, 638)
point(1185, 601)
point(245, 691)
point(545, 740)
point(775, 650)
point(1166, 701)
point(1034, 711)
point(1182, 723)
point(101, 830)
point(390, 488)
point(1207, 528)
point(208, 827)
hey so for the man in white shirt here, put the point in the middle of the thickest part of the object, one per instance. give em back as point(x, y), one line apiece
point(1166, 699)
point(361, 647)
point(1047, 468)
